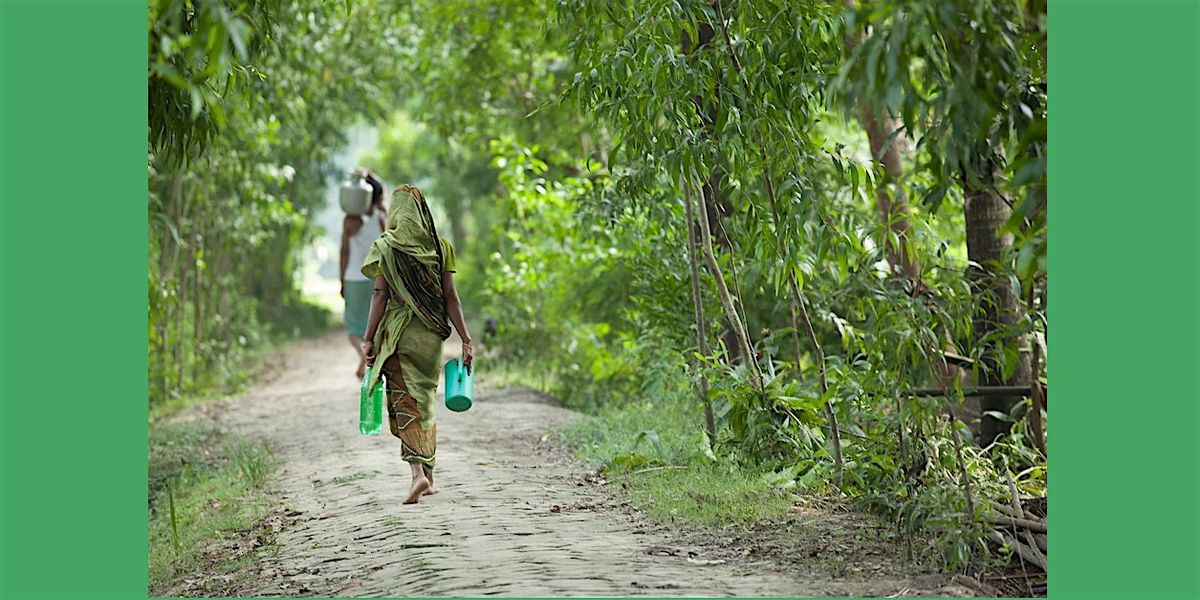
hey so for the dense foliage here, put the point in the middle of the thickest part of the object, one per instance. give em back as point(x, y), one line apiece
point(784, 219)
point(240, 143)
point(767, 114)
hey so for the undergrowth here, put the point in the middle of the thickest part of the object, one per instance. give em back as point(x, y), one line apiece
point(205, 495)
point(658, 452)
point(206, 499)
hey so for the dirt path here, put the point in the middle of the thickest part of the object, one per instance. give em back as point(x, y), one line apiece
point(491, 530)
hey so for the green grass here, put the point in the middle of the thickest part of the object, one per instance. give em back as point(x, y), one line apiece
point(707, 495)
point(657, 451)
point(206, 503)
point(206, 497)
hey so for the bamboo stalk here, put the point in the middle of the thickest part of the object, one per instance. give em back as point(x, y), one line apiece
point(197, 301)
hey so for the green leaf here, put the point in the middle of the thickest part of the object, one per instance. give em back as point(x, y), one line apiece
point(651, 436)
point(999, 416)
point(197, 101)
point(933, 198)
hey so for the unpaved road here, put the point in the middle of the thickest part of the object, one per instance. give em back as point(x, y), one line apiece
point(491, 530)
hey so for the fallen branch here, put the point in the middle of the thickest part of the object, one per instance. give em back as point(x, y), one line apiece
point(648, 469)
point(958, 360)
point(1007, 510)
point(1016, 502)
point(1025, 552)
point(1012, 512)
point(983, 390)
point(999, 519)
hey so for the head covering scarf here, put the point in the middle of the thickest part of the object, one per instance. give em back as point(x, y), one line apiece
point(409, 256)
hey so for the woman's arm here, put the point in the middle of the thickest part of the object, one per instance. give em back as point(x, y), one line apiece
point(454, 311)
point(379, 300)
point(344, 258)
point(350, 226)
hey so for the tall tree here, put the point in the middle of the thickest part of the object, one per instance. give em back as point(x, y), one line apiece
point(959, 74)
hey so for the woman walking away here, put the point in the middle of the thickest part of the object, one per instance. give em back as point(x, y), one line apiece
point(411, 301)
point(357, 234)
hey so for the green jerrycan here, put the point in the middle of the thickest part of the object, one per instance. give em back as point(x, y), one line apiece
point(460, 386)
point(370, 406)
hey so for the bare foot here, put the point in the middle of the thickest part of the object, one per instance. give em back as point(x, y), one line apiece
point(419, 487)
point(431, 491)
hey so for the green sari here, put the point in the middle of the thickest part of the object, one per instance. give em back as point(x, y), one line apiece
point(412, 260)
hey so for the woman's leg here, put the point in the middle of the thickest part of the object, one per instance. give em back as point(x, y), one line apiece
point(429, 475)
point(357, 309)
point(417, 444)
point(420, 484)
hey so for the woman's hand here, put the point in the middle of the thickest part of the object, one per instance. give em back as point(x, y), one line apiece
point(368, 348)
point(468, 355)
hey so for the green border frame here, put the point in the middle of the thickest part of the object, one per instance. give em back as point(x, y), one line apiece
point(1124, 266)
point(73, 118)
point(1124, 256)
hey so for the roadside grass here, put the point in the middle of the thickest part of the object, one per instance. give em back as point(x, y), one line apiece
point(658, 452)
point(207, 506)
point(210, 513)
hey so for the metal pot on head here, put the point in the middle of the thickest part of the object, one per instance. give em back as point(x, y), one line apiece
point(355, 194)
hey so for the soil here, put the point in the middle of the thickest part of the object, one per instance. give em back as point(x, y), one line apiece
point(515, 516)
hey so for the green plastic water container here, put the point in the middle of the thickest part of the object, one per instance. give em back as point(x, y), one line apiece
point(460, 386)
point(370, 406)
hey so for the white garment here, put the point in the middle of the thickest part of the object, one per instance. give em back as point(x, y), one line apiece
point(360, 243)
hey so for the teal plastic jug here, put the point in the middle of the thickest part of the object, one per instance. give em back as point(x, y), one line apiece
point(370, 406)
point(460, 386)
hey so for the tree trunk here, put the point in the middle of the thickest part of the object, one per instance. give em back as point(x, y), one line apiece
point(985, 213)
point(713, 205)
point(701, 330)
point(893, 208)
point(197, 308)
point(454, 213)
point(739, 329)
point(890, 199)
